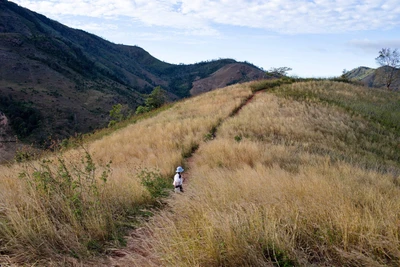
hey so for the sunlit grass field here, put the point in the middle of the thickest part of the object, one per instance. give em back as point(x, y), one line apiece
point(305, 174)
point(75, 201)
point(291, 182)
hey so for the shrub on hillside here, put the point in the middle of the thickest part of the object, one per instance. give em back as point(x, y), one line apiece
point(66, 197)
point(154, 100)
point(118, 113)
point(155, 184)
point(267, 84)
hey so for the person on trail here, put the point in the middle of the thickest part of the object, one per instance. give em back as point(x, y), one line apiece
point(178, 179)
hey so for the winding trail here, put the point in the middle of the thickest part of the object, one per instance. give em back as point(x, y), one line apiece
point(137, 251)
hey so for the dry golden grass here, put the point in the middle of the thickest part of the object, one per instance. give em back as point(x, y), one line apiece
point(270, 199)
point(316, 128)
point(376, 105)
point(161, 142)
point(38, 214)
point(284, 183)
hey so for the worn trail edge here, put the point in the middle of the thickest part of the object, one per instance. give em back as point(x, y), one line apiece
point(137, 251)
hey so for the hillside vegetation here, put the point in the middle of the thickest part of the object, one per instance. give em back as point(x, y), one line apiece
point(56, 81)
point(293, 181)
point(303, 174)
point(77, 201)
point(374, 77)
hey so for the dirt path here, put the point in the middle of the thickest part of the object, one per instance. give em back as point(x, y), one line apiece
point(137, 252)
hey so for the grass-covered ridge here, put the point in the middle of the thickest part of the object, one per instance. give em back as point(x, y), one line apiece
point(305, 173)
point(374, 131)
point(373, 104)
point(285, 183)
point(76, 202)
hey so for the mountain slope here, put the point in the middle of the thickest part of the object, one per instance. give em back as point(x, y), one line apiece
point(56, 81)
point(359, 73)
point(226, 75)
point(373, 77)
point(305, 174)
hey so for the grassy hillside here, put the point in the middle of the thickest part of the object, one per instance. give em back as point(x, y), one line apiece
point(299, 177)
point(303, 174)
point(74, 203)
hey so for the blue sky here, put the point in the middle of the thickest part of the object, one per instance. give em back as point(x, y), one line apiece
point(317, 38)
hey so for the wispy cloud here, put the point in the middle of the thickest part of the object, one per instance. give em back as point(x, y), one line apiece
point(91, 26)
point(283, 16)
point(375, 45)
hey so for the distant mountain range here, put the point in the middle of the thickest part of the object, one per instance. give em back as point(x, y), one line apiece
point(372, 77)
point(56, 81)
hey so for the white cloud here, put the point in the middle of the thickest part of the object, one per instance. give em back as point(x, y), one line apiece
point(91, 26)
point(283, 16)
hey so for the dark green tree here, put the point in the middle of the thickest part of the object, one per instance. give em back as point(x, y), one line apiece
point(118, 113)
point(155, 99)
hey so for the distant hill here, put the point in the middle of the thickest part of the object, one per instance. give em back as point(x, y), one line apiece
point(56, 81)
point(359, 73)
point(228, 74)
point(371, 77)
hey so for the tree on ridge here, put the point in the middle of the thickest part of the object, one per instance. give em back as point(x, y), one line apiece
point(390, 61)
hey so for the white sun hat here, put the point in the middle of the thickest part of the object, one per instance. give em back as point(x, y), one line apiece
point(179, 169)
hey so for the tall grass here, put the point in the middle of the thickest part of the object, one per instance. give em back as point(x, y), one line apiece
point(302, 175)
point(271, 83)
point(319, 128)
point(165, 140)
point(374, 104)
point(73, 203)
point(292, 190)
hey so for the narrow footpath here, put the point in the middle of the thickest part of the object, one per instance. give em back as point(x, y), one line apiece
point(137, 251)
